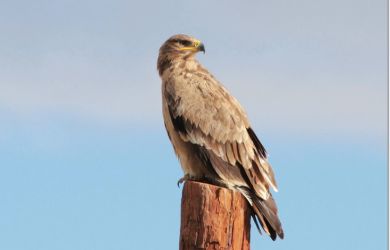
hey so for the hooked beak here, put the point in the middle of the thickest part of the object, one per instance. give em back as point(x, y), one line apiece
point(201, 48)
point(195, 47)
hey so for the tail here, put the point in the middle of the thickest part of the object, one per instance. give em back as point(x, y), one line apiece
point(265, 212)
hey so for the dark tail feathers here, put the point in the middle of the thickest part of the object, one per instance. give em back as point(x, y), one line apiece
point(266, 212)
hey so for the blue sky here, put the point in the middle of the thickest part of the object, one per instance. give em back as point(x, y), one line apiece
point(86, 163)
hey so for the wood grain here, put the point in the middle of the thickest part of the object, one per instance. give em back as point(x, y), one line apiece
point(213, 218)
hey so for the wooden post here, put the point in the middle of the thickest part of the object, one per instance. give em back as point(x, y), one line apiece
point(213, 218)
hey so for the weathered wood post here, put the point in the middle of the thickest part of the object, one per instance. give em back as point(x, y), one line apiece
point(213, 218)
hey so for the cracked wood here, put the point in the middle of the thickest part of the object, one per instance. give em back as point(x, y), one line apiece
point(213, 218)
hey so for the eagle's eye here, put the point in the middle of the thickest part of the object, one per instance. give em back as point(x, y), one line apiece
point(185, 43)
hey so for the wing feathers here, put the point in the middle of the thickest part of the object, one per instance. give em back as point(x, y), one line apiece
point(260, 148)
point(218, 129)
point(243, 155)
point(259, 171)
point(226, 171)
point(235, 151)
point(229, 154)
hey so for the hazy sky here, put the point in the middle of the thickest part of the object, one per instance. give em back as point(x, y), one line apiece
point(84, 159)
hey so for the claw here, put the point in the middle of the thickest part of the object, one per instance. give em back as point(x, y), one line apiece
point(180, 181)
point(183, 179)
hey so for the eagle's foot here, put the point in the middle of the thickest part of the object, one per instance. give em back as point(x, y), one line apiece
point(187, 177)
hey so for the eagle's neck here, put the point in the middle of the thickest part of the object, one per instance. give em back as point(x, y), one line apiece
point(173, 62)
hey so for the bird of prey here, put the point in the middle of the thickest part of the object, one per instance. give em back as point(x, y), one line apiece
point(210, 131)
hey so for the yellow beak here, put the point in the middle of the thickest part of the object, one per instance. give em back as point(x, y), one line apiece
point(195, 47)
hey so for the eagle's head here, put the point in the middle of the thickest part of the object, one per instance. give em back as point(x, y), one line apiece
point(182, 45)
point(178, 47)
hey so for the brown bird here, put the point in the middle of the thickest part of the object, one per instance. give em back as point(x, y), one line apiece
point(210, 131)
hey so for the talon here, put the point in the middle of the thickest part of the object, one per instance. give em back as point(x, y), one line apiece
point(180, 181)
point(183, 179)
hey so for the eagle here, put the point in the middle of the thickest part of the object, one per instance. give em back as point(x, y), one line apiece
point(210, 131)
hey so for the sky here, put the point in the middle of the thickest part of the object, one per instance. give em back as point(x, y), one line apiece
point(85, 162)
